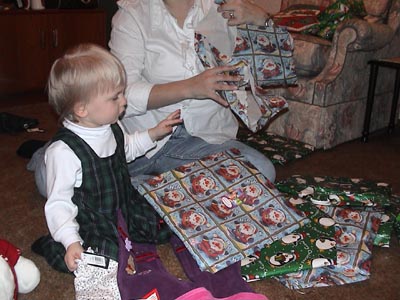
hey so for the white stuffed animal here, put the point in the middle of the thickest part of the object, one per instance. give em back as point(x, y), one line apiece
point(17, 273)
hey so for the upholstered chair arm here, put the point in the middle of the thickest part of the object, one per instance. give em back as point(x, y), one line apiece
point(367, 36)
point(352, 35)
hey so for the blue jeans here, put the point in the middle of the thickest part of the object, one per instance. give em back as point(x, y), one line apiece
point(183, 148)
point(37, 165)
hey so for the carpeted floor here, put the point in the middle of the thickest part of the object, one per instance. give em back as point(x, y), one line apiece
point(21, 210)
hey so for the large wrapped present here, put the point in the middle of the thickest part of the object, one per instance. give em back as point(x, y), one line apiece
point(222, 208)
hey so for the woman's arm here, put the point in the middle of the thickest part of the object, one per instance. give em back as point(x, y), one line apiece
point(202, 86)
point(128, 45)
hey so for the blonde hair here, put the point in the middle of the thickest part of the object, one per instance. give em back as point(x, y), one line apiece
point(83, 72)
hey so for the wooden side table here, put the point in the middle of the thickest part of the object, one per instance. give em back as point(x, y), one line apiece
point(393, 63)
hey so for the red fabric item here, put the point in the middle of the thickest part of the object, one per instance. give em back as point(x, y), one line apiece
point(11, 254)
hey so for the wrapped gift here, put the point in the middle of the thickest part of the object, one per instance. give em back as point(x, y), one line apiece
point(311, 246)
point(389, 221)
point(297, 18)
point(263, 57)
point(354, 241)
point(337, 191)
point(280, 150)
point(222, 208)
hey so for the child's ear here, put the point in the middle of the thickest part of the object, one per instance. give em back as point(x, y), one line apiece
point(80, 110)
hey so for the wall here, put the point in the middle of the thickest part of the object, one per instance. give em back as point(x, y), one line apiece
point(110, 6)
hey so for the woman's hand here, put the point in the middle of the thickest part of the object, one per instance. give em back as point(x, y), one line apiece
point(73, 253)
point(165, 126)
point(206, 84)
point(243, 12)
point(202, 86)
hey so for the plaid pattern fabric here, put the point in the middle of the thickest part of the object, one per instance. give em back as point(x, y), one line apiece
point(105, 187)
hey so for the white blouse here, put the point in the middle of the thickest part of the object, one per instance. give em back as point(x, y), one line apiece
point(155, 50)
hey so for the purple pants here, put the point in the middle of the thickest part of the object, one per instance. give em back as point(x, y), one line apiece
point(141, 273)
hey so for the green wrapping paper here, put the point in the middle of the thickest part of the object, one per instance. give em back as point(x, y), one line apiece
point(337, 191)
point(354, 237)
point(333, 15)
point(355, 218)
point(352, 192)
point(278, 149)
point(311, 246)
point(389, 221)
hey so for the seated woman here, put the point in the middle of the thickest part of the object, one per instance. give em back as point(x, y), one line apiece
point(155, 42)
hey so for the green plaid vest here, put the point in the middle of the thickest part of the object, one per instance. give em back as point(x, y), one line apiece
point(106, 187)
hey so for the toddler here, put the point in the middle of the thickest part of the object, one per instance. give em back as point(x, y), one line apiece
point(87, 174)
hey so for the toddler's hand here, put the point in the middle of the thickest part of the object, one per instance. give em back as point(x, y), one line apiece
point(73, 253)
point(165, 126)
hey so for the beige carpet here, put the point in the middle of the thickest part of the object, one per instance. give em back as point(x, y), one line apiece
point(22, 219)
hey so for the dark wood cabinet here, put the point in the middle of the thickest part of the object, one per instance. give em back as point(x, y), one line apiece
point(30, 41)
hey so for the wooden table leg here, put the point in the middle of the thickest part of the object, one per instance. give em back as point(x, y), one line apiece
point(370, 100)
point(395, 101)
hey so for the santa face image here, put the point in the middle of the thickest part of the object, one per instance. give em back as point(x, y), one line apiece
point(201, 184)
point(270, 68)
point(342, 258)
point(212, 247)
point(222, 209)
point(346, 238)
point(265, 43)
point(351, 215)
point(250, 194)
point(213, 157)
point(287, 44)
point(277, 102)
point(224, 59)
point(244, 232)
point(240, 44)
point(173, 198)
point(230, 172)
point(156, 180)
point(185, 168)
point(272, 216)
point(192, 219)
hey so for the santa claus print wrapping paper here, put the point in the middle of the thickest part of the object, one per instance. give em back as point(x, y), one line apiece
point(222, 208)
point(263, 56)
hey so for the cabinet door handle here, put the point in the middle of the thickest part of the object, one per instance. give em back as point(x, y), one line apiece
point(55, 38)
point(42, 39)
